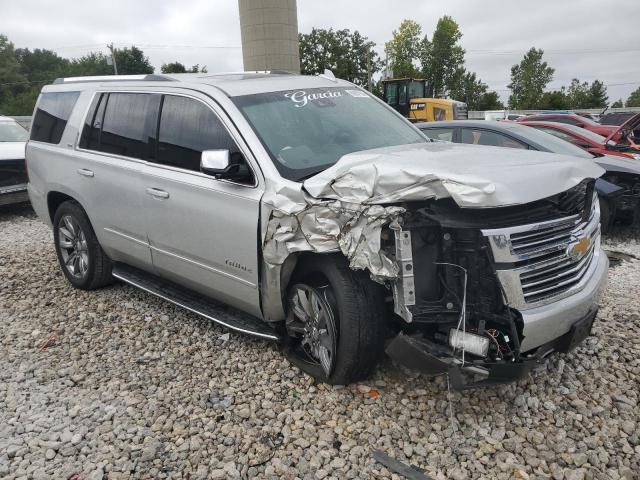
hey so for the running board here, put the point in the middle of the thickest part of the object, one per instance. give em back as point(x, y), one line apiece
point(221, 314)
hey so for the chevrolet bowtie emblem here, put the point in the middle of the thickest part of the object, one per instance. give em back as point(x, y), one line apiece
point(578, 249)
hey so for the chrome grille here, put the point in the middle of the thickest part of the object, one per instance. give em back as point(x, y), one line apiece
point(541, 263)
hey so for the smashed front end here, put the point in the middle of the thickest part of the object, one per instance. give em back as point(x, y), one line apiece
point(492, 260)
point(490, 292)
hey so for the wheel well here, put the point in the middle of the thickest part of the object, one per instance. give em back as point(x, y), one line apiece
point(54, 200)
point(301, 264)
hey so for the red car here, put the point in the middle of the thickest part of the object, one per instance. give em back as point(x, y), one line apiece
point(572, 119)
point(585, 139)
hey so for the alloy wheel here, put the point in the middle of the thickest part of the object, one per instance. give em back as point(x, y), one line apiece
point(311, 321)
point(73, 246)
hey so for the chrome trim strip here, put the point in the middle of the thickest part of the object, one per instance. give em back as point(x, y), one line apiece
point(193, 310)
point(128, 237)
point(205, 267)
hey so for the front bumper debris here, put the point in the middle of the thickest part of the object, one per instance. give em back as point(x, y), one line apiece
point(418, 353)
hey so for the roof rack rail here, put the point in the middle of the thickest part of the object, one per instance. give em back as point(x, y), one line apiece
point(115, 78)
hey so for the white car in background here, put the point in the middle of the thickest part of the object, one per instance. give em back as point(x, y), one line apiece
point(13, 174)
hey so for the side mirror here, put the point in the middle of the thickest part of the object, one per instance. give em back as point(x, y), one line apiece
point(215, 162)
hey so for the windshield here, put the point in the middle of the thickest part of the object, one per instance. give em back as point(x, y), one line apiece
point(307, 131)
point(552, 143)
point(12, 132)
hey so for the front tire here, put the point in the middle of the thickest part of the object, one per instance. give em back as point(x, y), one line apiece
point(336, 321)
point(81, 257)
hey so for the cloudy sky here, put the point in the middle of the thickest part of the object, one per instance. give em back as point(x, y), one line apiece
point(587, 39)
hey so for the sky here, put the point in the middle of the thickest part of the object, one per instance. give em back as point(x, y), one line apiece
point(587, 39)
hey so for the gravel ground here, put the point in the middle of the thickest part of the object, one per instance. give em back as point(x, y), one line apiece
point(132, 387)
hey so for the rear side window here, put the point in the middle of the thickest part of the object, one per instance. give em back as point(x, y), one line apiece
point(52, 114)
point(187, 128)
point(444, 134)
point(129, 125)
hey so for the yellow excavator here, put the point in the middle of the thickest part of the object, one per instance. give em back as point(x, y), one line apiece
point(407, 96)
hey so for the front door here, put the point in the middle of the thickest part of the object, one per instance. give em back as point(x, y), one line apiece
point(203, 232)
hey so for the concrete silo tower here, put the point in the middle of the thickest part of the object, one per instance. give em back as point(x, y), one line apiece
point(269, 30)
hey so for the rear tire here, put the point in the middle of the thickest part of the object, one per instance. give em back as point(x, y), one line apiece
point(81, 257)
point(357, 311)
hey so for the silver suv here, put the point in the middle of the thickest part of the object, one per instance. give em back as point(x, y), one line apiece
point(304, 210)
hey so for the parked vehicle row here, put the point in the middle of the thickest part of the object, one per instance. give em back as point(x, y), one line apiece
point(618, 188)
point(324, 218)
point(13, 176)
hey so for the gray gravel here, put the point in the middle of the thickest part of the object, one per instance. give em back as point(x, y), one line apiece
point(132, 387)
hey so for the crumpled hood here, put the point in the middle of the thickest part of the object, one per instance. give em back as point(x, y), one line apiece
point(614, 163)
point(471, 176)
point(12, 150)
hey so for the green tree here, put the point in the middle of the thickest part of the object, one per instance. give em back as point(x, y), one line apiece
point(443, 58)
point(405, 49)
point(490, 101)
point(12, 82)
point(598, 97)
point(131, 61)
point(341, 51)
point(529, 78)
point(634, 99)
point(94, 63)
point(177, 67)
point(578, 94)
point(555, 100)
point(617, 104)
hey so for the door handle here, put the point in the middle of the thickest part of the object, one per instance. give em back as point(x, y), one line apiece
point(85, 173)
point(156, 192)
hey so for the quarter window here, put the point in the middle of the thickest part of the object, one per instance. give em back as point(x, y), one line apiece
point(187, 128)
point(52, 114)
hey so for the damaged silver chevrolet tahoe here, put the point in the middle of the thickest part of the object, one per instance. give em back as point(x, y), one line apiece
point(326, 220)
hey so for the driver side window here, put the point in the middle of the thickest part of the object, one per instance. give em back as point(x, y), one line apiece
point(187, 128)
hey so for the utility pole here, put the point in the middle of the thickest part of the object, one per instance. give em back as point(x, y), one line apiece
point(113, 59)
point(369, 69)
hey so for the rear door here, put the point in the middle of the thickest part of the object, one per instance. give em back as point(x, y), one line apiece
point(203, 231)
point(117, 138)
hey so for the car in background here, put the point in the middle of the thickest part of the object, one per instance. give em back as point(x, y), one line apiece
point(585, 139)
point(616, 118)
point(13, 175)
point(571, 119)
point(620, 203)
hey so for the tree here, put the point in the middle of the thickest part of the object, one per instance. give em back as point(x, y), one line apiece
point(12, 82)
point(555, 100)
point(131, 61)
point(634, 99)
point(529, 78)
point(405, 49)
point(177, 67)
point(578, 94)
point(94, 63)
point(490, 101)
point(598, 97)
point(443, 57)
point(341, 51)
point(617, 104)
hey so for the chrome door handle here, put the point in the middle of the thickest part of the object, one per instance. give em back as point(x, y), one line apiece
point(85, 173)
point(156, 192)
